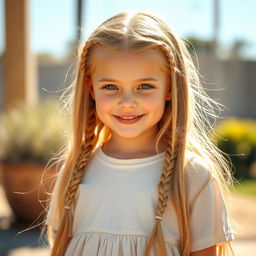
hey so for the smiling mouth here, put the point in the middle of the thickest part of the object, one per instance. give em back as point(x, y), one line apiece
point(128, 119)
point(129, 116)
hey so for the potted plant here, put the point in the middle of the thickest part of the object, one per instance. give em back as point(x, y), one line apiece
point(30, 135)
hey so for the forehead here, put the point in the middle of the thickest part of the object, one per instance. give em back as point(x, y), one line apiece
point(105, 61)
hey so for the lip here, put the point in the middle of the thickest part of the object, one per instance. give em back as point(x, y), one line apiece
point(129, 121)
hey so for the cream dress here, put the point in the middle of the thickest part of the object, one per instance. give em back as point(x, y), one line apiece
point(115, 206)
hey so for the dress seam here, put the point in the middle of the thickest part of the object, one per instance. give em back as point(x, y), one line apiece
point(119, 233)
point(110, 232)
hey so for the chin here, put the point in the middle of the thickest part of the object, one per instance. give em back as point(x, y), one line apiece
point(128, 135)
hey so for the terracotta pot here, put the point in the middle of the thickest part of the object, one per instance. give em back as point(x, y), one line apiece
point(24, 191)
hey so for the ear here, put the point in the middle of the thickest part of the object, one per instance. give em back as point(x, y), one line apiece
point(89, 84)
point(168, 97)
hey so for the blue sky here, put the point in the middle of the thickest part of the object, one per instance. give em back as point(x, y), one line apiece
point(52, 23)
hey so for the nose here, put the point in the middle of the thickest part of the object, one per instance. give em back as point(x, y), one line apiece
point(127, 100)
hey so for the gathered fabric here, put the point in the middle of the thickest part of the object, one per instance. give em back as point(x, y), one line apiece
point(104, 243)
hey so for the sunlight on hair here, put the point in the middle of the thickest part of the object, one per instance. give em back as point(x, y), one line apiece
point(183, 128)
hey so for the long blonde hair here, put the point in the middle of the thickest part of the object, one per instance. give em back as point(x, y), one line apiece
point(184, 126)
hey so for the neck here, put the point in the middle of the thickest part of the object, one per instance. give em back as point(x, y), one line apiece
point(141, 146)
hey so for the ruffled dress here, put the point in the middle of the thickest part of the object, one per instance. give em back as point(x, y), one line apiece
point(115, 206)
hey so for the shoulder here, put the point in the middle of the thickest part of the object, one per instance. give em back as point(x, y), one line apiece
point(197, 167)
point(198, 173)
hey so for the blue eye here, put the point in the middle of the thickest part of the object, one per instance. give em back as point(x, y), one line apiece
point(112, 87)
point(146, 86)
point(109, 87)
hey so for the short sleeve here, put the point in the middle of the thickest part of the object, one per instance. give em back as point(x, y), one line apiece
point(210, 223)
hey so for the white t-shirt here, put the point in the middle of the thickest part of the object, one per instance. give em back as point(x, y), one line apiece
point(115, 206)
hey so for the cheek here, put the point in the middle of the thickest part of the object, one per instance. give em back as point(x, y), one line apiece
point(103, 104)
point(155, 103)
point(156, 106)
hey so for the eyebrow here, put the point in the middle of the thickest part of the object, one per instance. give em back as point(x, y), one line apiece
point(105, 79)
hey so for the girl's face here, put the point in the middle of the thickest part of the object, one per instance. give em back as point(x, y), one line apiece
point(129, 85)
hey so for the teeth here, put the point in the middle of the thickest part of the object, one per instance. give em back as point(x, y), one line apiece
point(127, 117)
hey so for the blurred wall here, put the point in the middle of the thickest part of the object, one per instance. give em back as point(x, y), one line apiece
point(232, 83)
point(51, 79)
point(1, 84)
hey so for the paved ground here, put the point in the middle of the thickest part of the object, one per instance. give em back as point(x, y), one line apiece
point(13, 242)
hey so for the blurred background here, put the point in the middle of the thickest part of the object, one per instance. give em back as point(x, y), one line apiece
point(38, 41)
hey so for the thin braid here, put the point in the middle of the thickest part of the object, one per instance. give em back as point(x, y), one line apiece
point(170, 57)
point(163, 195)
point(164, 184)
point(171, 152)
point(83, 158)
point(61, 242)
point(184, 216)
point(168, 168)
point(83, 62)
point(86, 147)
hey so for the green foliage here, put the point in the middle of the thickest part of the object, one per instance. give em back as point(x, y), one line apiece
point(32, 133)
point(237, 138)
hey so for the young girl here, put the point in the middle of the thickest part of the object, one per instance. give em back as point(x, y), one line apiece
point(139, 175)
